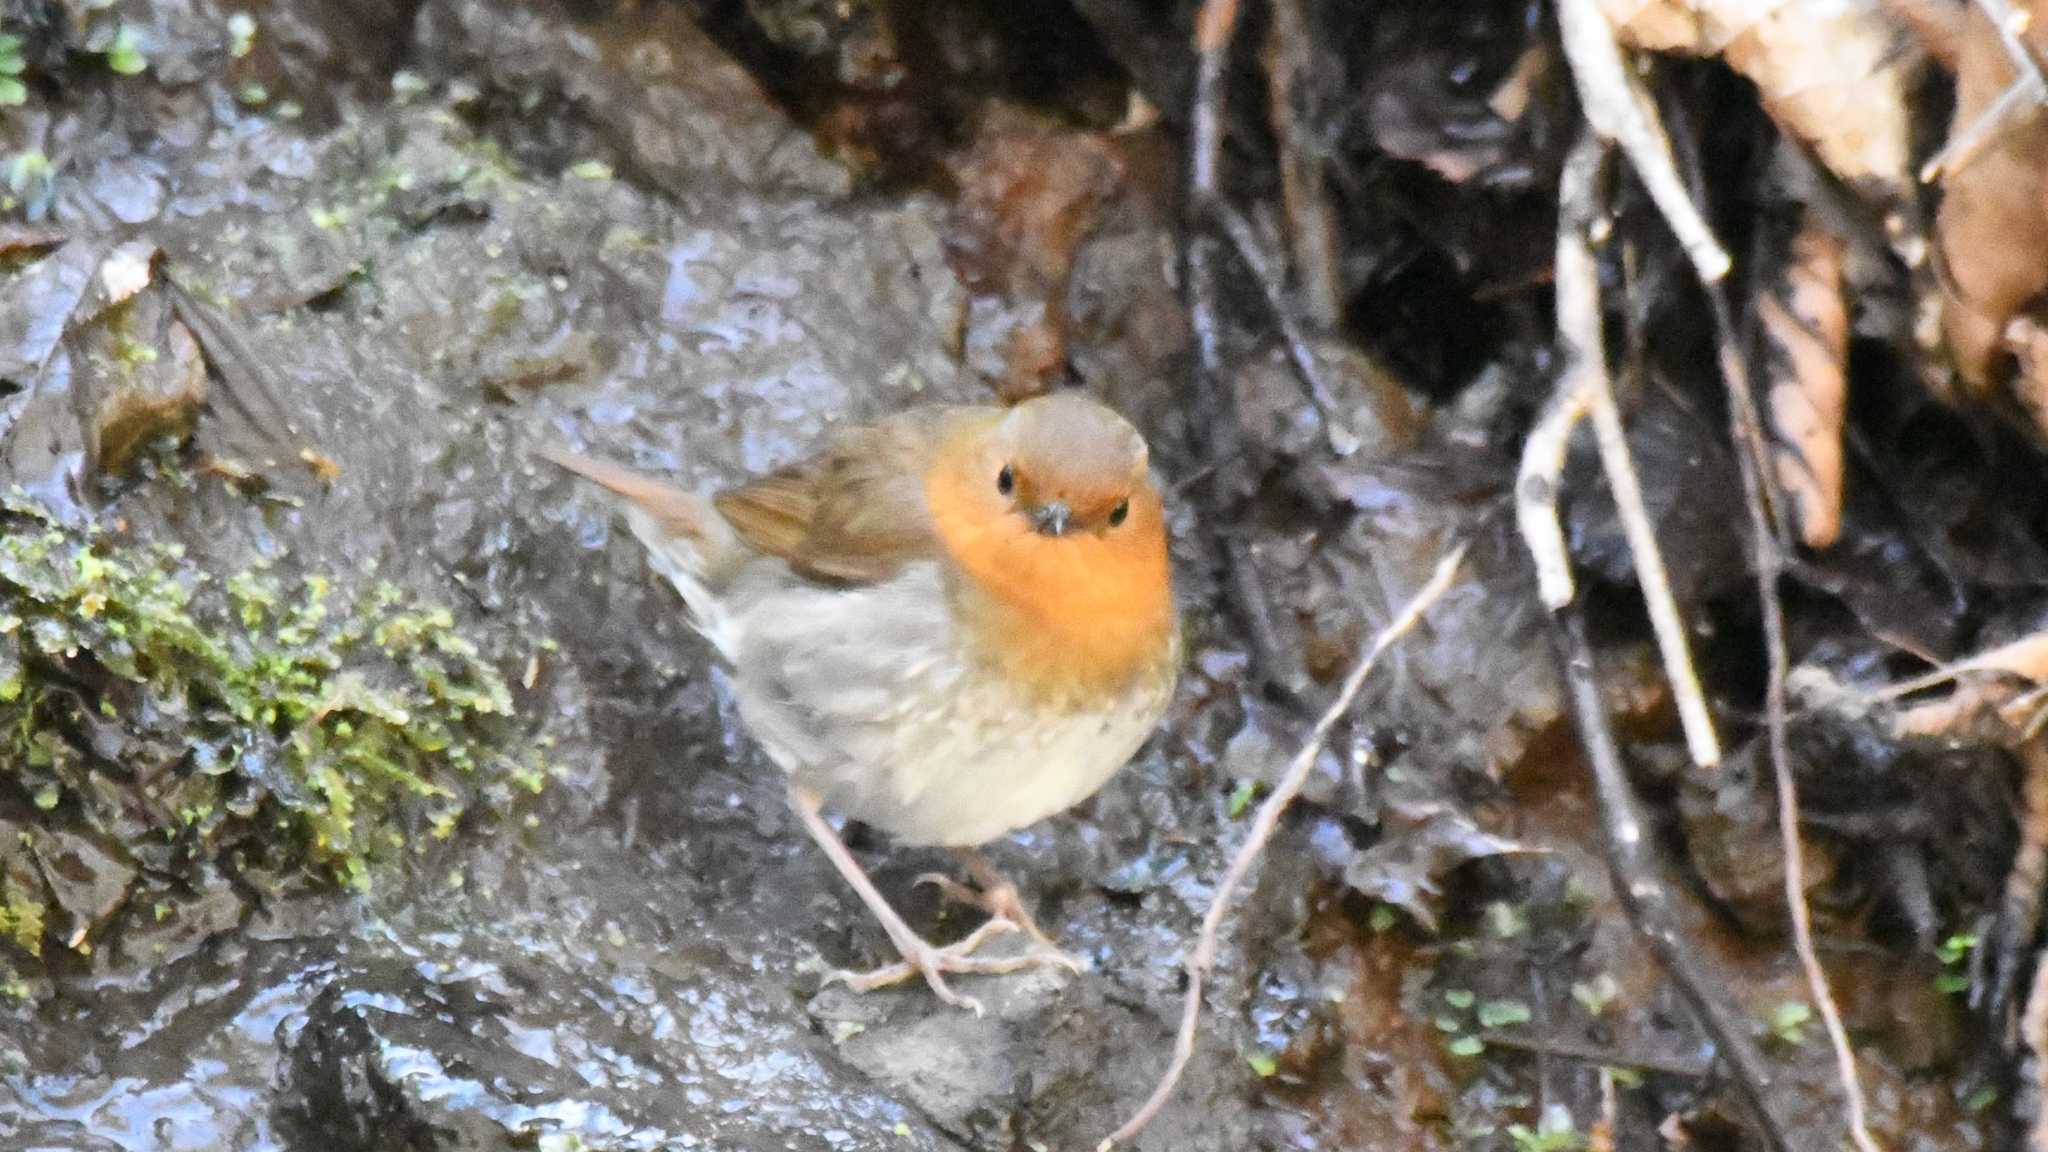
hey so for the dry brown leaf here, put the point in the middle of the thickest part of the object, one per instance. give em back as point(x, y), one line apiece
point(1030, 193)
point(1805, 326)
point(2026, 338)
point(160, 398)
point(2034, 1030)
point(1986, 703)
point(2026, 658)
point(323, 467)
point(19, 238)
point(1992, 228)
point(1937, 24)
point(1828, 71)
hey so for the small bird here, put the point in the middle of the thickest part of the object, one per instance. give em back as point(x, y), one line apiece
point(946, 625)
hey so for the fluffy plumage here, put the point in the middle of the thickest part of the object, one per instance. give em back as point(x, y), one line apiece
point(947, 625)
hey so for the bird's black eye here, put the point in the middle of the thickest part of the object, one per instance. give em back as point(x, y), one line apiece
point(1006, 481)
point(1117, 514)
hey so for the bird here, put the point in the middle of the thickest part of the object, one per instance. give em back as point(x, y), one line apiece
point(947, 624)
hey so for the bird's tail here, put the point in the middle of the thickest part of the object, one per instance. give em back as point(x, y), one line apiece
point(687, 541)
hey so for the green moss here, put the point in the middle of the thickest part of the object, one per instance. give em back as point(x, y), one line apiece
point(13, 89)
point(282, 727)
point(21, 920)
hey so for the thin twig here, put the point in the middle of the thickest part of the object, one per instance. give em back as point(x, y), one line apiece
point(1617, 109)
point(1766, 538)
point(1304, 195)
point(1637, 874)
point(2028, 91)
point(1537, 487)
point(1578, 330)
point(1343, 442)
point(2019, 912)
point(1602, 1137)
point(2011, 26)
point(1631, 856)
point(1605, 1057)
point(1214, 425)
point(2034, 1030)
point(2025, 93)
point(1263, 826)
point(1770, 538)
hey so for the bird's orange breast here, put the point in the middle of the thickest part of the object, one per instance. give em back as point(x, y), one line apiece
point(1074, 617)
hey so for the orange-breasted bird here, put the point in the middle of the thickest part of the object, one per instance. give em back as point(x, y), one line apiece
point(947, 625)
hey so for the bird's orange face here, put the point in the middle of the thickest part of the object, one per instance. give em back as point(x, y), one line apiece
point(1058, 535)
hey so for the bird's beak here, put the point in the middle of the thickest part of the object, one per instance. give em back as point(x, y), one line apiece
point(1051, 519)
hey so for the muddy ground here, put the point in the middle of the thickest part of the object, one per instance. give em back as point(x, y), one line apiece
point(433, 237)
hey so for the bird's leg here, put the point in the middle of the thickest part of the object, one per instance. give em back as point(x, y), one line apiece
point(998, 897)
point(920, 957)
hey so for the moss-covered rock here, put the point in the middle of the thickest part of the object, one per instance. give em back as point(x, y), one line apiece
point(158, 725)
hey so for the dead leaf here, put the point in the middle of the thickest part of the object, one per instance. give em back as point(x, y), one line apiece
point(1031, 191)
point(1987, 703)
point(1425, 842)
point(2026, 338)
point(1991, 231)
point(37, 304)
point(2026, 658)
point(249, 432)
point(17, 238)
point(1829, 72)
point(1805, 326)
point(159, 398)
point(323, 467)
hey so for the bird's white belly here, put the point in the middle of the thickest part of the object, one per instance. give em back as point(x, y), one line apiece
point(864, 696)
point(964, 781)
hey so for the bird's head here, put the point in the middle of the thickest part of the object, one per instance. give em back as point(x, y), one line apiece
point(1058, 532)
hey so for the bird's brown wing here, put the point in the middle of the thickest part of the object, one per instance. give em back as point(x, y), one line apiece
point(852, 514)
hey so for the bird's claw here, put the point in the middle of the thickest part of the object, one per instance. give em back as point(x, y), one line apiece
point(1002, 903)
point(934, 963)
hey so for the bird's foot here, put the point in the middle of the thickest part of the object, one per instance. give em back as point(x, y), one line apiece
point(1002, 903)
point(934, 963)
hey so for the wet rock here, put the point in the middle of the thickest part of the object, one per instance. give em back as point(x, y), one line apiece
point(503, 1042)
point(1051, 1061)
point(129, 188)
point(659, 92)
point(1425, 841)
point(1482, 688)
point(960, 1069)
point(344, 1099)
point(563, 355)
point(1376, 424)
point(736, 328)
point(165, 923)
point(87, 880)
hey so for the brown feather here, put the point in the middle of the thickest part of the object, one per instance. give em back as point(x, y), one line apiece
point(855, 512)
point(773, 513)
point(681, 514)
